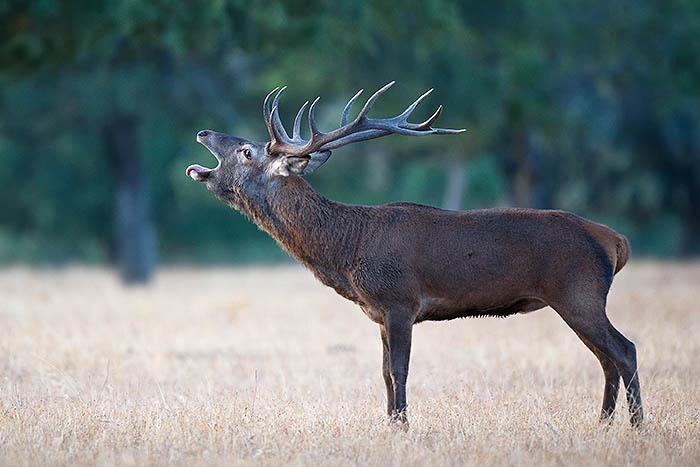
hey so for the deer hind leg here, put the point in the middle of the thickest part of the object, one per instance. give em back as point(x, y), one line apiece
point(588, 319)
point(628, 369)
point(612, 381)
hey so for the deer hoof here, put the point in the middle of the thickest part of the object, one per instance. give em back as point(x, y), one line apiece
point(399, 421)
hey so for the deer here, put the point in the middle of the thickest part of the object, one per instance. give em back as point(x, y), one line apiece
point(405, 263)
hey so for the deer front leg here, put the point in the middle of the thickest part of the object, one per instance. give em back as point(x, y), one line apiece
point(386, 372)
point(398, 330)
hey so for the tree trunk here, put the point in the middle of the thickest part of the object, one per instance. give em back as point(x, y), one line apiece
point(522, 179)
point(527, 186)
point(134, 234)
point(456, 185)
point(378, 172)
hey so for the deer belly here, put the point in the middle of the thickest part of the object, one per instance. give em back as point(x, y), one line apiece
point(433, 309)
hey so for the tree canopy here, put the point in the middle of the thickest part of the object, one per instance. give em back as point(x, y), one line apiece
point(593, 108)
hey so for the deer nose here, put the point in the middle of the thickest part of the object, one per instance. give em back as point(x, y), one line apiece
point(202, 134)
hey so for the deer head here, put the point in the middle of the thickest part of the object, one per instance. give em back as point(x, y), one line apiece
point(247, 169)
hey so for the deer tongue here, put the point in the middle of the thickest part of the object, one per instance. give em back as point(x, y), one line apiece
point(197, 172)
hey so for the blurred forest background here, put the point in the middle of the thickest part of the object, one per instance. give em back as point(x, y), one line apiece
point(592, 107)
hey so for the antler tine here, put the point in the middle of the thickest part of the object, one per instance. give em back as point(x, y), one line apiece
point(266, 108)
point(280, 131)
point(426, 128)
point(346, 109)
point(406, 113)
point(296, 133)
point(432, 118)
point(312, 122)
point(446, 131)
point(280, 134)
point(426, 124)
point(267, 115)
point(373, 98)
point(276, 100)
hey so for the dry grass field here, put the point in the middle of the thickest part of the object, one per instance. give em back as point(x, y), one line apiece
point(268, 367)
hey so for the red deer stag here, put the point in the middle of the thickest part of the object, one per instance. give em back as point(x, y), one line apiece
point(404, 263)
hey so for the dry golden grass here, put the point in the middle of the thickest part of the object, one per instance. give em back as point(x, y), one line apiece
point(266, 366)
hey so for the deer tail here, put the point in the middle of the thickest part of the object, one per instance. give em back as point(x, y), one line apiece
point(623, 252)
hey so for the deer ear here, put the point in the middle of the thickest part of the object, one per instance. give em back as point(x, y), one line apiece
point(299, 165)
point(317, 159)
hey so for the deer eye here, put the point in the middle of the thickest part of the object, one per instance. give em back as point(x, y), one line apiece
point(247, 153)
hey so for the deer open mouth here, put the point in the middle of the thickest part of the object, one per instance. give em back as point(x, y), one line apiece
point(198, 172)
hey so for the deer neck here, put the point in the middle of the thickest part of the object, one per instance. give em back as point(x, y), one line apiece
point(321, 234)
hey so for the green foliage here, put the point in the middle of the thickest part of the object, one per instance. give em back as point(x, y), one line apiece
point(588, 107)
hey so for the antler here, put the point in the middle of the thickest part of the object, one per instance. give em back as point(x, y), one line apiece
point(360, 129)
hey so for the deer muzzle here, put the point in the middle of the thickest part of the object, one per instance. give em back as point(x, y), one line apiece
point(198, 172)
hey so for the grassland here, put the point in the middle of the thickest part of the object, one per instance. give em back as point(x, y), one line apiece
point(268, 367)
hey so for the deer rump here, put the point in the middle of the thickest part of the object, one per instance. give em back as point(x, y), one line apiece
point(491, 262)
